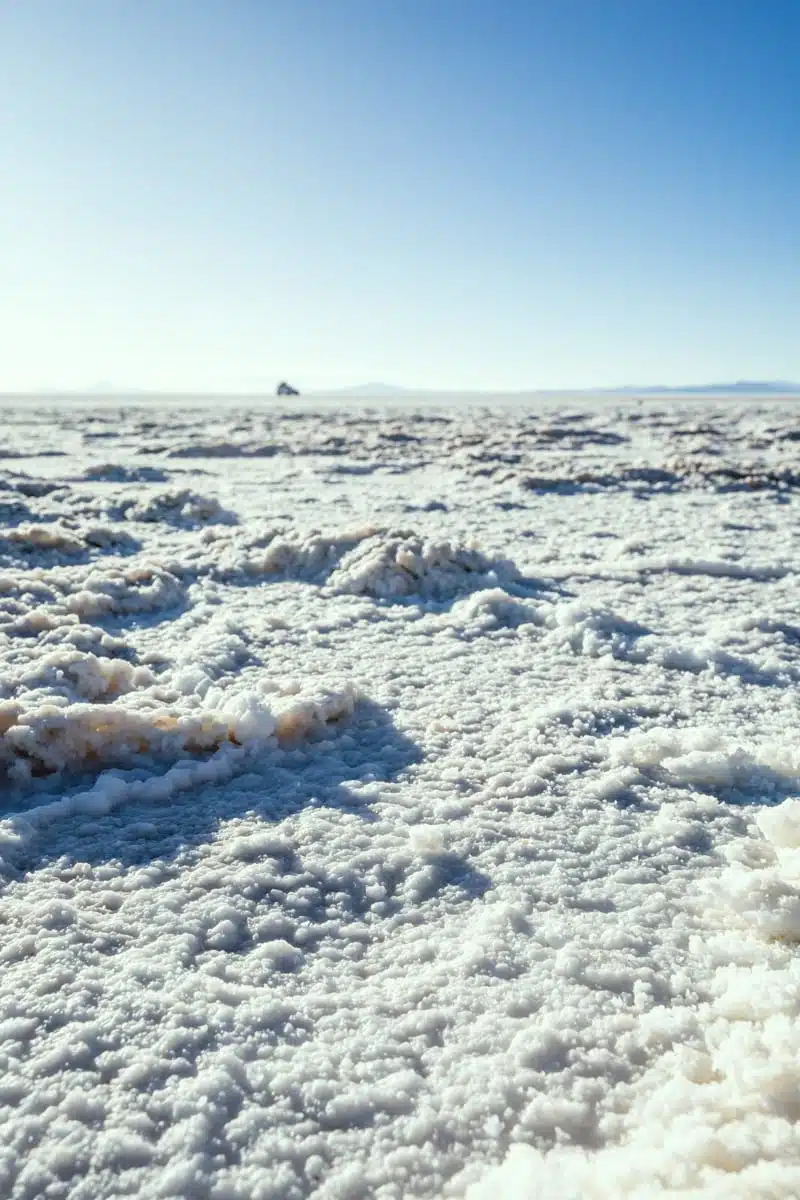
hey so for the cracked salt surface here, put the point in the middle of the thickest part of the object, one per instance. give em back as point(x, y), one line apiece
point(400, 803)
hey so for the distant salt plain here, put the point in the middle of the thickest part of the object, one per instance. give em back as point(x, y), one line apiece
point(400, 799)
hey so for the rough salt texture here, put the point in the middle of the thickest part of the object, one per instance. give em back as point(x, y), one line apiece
point(399, 804)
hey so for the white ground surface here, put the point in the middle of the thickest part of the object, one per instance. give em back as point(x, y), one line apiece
point(399, 804)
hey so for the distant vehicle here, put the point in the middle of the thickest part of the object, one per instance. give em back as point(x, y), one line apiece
point(286, 389)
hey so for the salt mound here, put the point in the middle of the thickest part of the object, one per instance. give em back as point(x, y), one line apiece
point(115, 473)
point(295, 555)
point(493, 608)
point(52, 738)
point(30, 539)
point(106, 537)
point(141, 588)
point(375, 562)
point(394, 564)
point(185, 508)
point(591, 632)
point(594, 632)
point(702, 758)
point(79, 675)
point(304, 714)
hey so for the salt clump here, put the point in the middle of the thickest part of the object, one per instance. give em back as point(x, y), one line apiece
point(180, 508)
point(295, 555)
point(53, 737)
point(393, 565)
point(137, 588)
point(29, 539)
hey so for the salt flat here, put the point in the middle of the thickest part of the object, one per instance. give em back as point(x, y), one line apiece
point(399, 802)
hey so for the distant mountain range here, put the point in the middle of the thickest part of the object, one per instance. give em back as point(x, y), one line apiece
point(742, 387)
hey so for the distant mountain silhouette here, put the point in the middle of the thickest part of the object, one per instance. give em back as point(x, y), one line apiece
point(742, 387)
point(746, 387)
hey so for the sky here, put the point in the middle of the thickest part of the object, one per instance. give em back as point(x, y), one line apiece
point(445, 194)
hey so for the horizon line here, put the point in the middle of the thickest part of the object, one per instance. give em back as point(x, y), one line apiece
point(387, 391)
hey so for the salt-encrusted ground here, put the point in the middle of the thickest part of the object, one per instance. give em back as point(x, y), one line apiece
point(388, 796)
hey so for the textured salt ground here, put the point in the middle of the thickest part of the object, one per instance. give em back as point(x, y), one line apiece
point(460, 832)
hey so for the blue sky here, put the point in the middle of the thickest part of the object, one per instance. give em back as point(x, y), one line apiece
point(214, 194)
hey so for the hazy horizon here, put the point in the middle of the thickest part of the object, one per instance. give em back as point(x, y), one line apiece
point(380, 390)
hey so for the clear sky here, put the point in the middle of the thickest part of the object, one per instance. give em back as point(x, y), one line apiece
point(500, 194)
